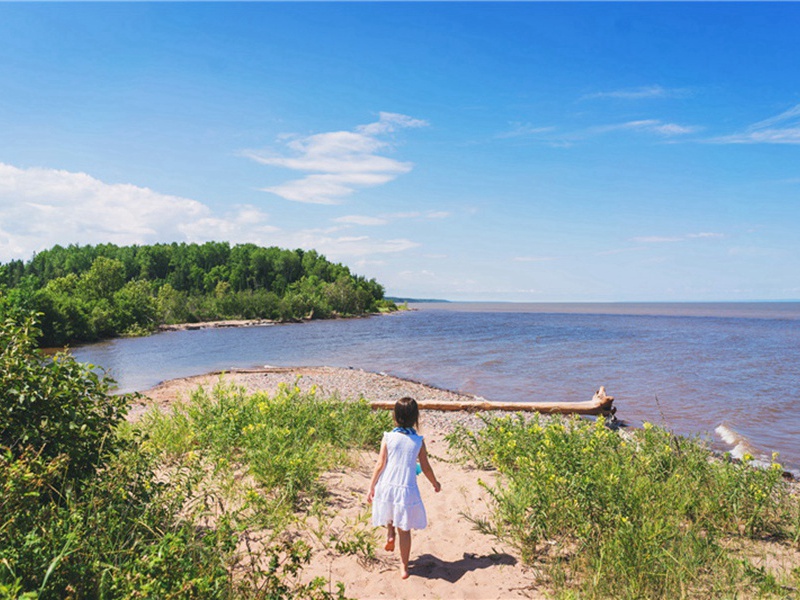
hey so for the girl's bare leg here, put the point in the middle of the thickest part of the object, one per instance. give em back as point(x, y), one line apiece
point(405, 551)
point(389, 538)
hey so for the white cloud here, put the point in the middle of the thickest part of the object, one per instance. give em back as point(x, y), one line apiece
point(389, 123)
point(340, 162)
point(519, 129)
point(780, 129)
point(648, 126)
point(655, 239)
point(641, 126)
point(386, 219)
point(640, 93)
point(361, 220)
point(340, 248)
point(43, 207)
point(706, 235)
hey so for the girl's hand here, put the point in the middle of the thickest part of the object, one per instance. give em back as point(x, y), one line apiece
point(370, 495)
point(437, 487)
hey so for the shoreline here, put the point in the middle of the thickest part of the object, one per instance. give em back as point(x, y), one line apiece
point(217, 324)
point(345, 383)
point(226, 323)
point(348, 384)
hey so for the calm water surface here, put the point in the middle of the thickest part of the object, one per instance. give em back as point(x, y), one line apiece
point(730, 372)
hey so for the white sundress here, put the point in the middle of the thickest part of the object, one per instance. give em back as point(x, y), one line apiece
point(397, 499)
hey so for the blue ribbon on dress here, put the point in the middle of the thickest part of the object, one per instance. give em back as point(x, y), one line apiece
point(406, 430)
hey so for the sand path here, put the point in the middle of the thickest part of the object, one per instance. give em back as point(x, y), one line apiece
point(449, 559)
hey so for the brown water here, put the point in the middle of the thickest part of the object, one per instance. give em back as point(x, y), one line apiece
point(730, 372)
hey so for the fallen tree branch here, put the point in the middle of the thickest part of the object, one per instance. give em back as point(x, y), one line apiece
point(600, 404)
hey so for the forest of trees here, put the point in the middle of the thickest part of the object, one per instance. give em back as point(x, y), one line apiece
point(86, 293)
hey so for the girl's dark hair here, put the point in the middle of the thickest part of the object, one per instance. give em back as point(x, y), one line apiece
point(406, 412)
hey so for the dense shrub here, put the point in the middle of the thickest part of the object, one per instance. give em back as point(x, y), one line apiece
point(618, 516)
point(282, 441)
point(53, 406)
point(78, 520)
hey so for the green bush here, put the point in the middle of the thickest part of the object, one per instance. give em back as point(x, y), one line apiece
point(56, 405)
point(119, 536)
point(78, 520)
point(284, 441)
point(619, 516)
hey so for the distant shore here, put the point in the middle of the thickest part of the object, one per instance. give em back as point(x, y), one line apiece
point(217, 324)
point(259, 322)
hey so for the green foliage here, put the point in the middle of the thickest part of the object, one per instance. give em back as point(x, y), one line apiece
point(283, 442)
point(56, 406)
point(80, 521)
point(86, 293)
point(614, 516)
point(120, 536)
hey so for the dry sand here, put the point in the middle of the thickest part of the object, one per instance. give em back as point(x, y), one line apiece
point(449, 559)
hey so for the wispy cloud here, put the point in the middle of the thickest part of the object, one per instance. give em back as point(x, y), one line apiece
point(518, 129)
point(657, 239)
point(780, 129)
point(706, 235)
point(646, 126)
point(532, 258)
point(43, 207)
point(360, 220)
point(339, 162)
point(343, 247)
point(640, 93)
point(657, 127)
point(367, 220)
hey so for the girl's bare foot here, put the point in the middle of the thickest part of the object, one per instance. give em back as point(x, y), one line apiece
point(389, 547)
point(404, 572)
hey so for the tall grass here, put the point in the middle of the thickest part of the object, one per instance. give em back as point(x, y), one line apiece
point(647, 515)
point(192, 506)
point(282, 443)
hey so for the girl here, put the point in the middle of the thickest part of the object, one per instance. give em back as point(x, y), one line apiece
point(393, 492)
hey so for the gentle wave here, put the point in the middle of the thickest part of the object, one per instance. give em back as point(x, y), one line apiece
point(739, 445)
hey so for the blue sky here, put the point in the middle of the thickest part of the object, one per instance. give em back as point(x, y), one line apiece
point(469, 151)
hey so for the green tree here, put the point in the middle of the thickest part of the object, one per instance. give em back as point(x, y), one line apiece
point(136, 308)
point(105, 277)
point(53, 405)
point(171, 305)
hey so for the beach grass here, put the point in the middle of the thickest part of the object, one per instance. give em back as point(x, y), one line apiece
point(275, 446)
point(200, 501)
point(643, 515)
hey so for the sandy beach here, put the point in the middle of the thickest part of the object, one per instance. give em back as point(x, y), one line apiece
point(449, 559)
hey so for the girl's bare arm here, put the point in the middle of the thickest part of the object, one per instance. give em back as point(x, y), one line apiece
point(379, 466)
point(427, 469)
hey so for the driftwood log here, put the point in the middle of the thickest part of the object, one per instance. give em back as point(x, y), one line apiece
point(600, 404)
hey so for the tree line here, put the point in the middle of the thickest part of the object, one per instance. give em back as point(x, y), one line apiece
point(87, 293)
